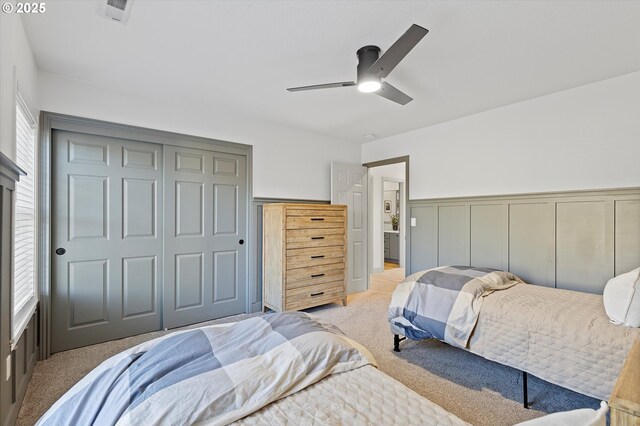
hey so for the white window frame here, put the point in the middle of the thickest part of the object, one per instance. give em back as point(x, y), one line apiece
point(20, 319)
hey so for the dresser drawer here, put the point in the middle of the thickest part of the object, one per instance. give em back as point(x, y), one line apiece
point(314, 295)
point(315, 212)
point(314, 274)
point(301, 238)
point(334, 275)
point(305, 257)
point(314, 222)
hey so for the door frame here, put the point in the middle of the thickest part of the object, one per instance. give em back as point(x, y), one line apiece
point(50, 121)
point(407, 216)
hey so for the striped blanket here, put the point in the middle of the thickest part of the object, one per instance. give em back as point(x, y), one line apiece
point(211, 375)
point(444, 302)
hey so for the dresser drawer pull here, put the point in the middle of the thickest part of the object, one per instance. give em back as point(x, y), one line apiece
point(317, 275)
point(317, 294)
point(318, 257)
point(317, 218)
point(317, 238)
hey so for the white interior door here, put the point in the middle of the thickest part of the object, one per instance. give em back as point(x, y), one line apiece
point(349, 187)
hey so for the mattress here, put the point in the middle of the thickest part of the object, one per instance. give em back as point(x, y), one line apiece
point(358, 397)
point(561, 336)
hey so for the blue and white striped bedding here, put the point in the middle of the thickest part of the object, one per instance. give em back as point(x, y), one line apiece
point(213, 375)
point(444, 302)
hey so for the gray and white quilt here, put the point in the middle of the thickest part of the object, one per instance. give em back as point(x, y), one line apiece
point(210, 375)
point(444, 302)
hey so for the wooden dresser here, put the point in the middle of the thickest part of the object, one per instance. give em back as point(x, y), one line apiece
point(625, 398)
point(304, 255)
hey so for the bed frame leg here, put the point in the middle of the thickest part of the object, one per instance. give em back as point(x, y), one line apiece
point(525, 396)
point(396, 342)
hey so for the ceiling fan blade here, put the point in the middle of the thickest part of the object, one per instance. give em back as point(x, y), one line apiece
point(322, 86)
point(398, 50)
point(390, 92)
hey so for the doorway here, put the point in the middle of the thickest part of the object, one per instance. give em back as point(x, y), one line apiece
point(387, 207)
point(391, 189)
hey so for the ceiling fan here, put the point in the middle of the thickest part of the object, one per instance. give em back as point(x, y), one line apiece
point(372, 67)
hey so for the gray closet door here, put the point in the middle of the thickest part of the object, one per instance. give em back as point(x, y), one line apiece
point(206, 221)
point(107, 239)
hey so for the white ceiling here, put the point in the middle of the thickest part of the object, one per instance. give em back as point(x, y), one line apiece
point(241, 55)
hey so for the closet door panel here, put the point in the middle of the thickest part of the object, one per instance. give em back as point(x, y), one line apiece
point(205, 253)
point(106, 213)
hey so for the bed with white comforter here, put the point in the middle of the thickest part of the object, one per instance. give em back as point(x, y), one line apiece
point(283, 368)
point(364, 396)
point(564, 337)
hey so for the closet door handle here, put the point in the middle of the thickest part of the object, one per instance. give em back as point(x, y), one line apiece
point(317, 294)
point(317, 275)
point(318, 257)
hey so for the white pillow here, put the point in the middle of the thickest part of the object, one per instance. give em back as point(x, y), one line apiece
point(582, 417)
point(622, 298)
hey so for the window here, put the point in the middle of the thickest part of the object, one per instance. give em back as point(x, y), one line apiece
point(24, 271)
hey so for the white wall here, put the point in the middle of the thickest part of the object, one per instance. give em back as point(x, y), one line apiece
point(287, 163)
point(391, 186)
point(15, 54)
point(583, 138)
point(376, 175)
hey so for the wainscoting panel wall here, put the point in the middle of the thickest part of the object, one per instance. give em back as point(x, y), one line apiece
point(487, 236)
point(571, 240)
point(528, 242)
point(453, 239)
point(22, 355)
point(423, 251)
point(627, 243)
point(582, 246)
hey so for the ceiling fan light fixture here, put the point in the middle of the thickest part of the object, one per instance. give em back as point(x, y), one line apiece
point(369, 86)
point(372, 67)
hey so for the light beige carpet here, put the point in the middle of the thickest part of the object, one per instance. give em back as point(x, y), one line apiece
point(480, 392)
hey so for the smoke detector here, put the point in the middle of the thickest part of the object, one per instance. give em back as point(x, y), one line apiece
point(115, 10)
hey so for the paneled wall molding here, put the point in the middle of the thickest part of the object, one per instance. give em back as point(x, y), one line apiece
point(610, 192)
point(15, 374)
point(573, 240)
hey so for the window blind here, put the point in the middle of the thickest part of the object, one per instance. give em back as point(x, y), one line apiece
point(24, 293)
